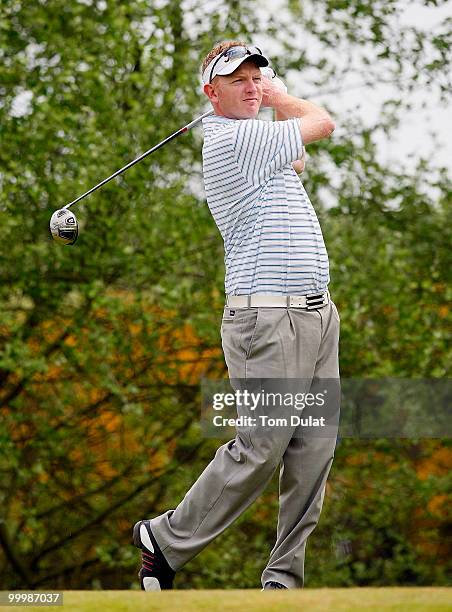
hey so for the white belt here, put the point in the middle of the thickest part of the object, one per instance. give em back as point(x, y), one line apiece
point(310, 302)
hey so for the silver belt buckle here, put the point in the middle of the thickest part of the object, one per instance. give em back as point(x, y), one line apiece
point(316, 301)
point(297, 301)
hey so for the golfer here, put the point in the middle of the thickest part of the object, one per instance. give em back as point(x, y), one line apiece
point(279, 322)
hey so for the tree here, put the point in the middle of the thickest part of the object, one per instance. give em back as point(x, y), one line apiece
point(102, 345)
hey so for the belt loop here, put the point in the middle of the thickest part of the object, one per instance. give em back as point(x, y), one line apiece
point(248, 301)
point(288, 301)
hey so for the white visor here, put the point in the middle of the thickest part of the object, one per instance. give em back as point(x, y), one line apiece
point(222, 64)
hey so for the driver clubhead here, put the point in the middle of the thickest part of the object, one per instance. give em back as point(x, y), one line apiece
point(64, 226)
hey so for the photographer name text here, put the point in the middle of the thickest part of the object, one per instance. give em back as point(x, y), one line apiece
point(265, 421)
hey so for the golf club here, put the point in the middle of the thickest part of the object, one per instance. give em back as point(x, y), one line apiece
point(63, 224)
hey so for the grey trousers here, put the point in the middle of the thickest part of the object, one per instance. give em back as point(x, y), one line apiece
point(274, 343)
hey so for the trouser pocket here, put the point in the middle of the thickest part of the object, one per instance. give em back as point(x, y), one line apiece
point(238, 328)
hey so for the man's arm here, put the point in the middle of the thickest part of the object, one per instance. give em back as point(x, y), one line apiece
point(316, 122)
point(299, 164)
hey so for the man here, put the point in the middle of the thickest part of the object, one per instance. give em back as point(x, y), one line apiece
point(279, 322)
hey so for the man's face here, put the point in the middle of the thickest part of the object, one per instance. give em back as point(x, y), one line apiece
point(237, 95)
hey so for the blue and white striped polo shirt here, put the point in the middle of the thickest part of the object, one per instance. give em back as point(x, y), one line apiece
point(272, 237)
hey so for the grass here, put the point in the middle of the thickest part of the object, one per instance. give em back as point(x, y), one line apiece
point(399, 599)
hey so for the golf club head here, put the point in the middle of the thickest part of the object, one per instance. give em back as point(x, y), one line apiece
point(64, 226)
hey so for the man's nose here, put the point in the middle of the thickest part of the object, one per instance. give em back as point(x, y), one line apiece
point(251, 86)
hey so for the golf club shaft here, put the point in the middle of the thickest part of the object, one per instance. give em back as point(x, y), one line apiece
point(135, 161)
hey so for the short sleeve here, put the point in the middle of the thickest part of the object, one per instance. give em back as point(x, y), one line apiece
point(262, 148)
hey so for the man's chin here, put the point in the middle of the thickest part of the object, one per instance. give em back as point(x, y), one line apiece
point(249, 114)
point(253, 108)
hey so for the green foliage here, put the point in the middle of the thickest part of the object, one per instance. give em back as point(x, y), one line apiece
point(385, 521)
point(102, 345)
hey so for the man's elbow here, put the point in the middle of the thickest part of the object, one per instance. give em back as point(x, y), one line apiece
point(317, 127)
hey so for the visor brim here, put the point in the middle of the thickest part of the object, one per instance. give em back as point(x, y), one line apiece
point(232, 65)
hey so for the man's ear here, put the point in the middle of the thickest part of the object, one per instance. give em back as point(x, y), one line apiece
point(211, 92)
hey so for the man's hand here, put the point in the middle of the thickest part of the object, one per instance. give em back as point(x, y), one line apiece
point(299, 164)
point(271, 92)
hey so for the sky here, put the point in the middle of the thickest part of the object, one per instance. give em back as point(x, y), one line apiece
point(414, 136)
point(424, 130)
